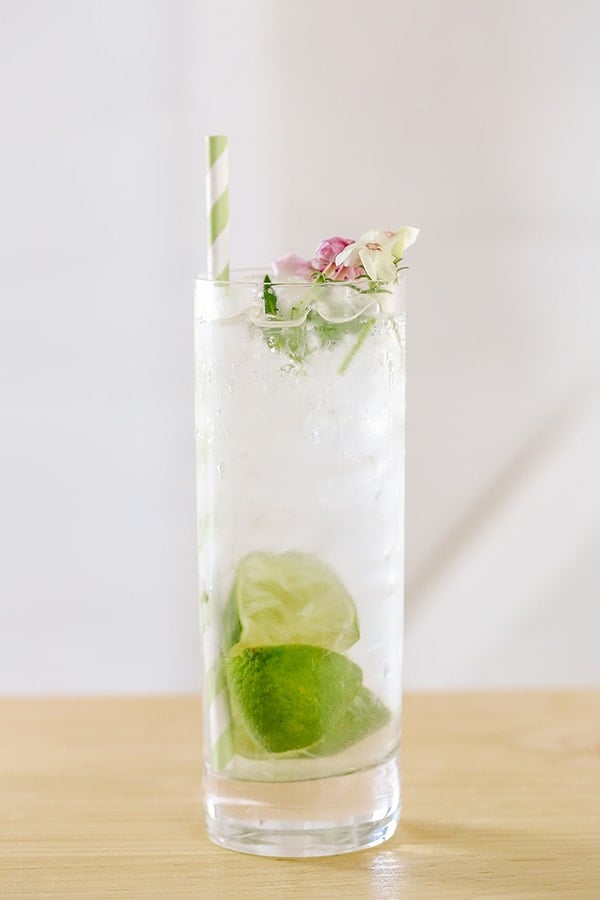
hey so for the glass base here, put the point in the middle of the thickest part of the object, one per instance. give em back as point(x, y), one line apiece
point(321, 817)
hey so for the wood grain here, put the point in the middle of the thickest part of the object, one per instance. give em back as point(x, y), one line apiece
point(101, 798)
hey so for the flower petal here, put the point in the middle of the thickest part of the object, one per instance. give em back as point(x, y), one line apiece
point(378, 264)
point(375, 236)
point(293, 266)
point(403, 239)
point(328, 249)
point(349, 256)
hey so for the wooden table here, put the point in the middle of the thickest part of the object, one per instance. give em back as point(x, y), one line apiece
point(101, 798)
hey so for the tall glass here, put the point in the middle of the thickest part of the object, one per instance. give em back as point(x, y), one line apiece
point(300, 453)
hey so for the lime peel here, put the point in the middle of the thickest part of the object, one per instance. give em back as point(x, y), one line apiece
point(365, 714)
point(290, 696)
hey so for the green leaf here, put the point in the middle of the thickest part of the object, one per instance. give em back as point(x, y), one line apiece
point(291, 341)
point(269, 297)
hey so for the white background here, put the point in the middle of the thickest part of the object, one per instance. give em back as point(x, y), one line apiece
point(476, 120)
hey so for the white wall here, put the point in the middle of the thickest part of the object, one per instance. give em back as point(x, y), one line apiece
point(474, 119)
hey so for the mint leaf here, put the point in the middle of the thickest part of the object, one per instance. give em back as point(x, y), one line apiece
point(269, 297)
point(291, 341)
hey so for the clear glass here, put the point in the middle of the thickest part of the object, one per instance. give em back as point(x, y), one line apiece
point(300, 455)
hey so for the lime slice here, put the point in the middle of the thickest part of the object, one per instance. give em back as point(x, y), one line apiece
point(290, 696)
point(289, 598)
point(365, 715)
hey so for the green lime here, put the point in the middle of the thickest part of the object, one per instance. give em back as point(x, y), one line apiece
point(290, 696)
point(289, 598)
point(365, 715)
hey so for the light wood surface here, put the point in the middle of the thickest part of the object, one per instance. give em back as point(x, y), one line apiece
point(101, 798)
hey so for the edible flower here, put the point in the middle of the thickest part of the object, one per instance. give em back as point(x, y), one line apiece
point(293, 266)
point(374, 256)
point(324, 261)
point(378, 252)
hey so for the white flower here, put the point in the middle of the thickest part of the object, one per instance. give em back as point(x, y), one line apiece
point(378, 251)
point(402, 240)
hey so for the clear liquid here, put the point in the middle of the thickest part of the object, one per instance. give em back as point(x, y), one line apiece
point(296, 456)
point(322, 817)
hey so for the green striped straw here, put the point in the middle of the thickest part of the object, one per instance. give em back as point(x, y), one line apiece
point(215, 688)
point(217, 207)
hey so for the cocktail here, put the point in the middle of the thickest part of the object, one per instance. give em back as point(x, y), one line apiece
point(300, 427)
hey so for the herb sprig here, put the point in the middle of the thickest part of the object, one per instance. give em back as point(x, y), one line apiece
point(269, 297)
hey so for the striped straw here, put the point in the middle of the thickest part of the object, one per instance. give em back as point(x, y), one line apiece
point(220, 729)
point(217, 207)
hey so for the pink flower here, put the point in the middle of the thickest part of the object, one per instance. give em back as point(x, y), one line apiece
point(325, 260)
point(328, 250)
point(294, 266)
point(347, 273)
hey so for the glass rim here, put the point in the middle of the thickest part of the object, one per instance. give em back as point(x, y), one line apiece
point(256, 277)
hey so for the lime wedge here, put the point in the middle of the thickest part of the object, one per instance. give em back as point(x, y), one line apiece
point(289, 598)
point(290, 696)
point(365, 715)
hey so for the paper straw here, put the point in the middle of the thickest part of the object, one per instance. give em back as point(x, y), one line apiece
point(217, 207)
point(218, 720)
